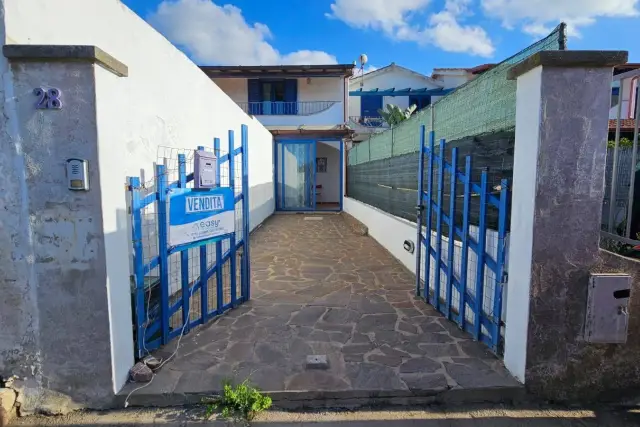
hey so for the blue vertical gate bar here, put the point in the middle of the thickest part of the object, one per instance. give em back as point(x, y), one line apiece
point(464, 257)
point(184, 254)
point(500, 261)
point(219, 290)
point(427, 218)
point(480, 245)
point(232, 238)
point(452, 224)
point(438, 260)
point(246, 257)
point(138, 263)
point(163, 248)
point(420, 209)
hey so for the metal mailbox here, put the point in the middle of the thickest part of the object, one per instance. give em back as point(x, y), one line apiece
point(607, 317)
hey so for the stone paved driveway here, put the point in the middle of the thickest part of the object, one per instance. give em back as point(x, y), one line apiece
point(319, 287)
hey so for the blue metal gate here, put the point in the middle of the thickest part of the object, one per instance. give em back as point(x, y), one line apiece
point(466, 282)
point(177, 288)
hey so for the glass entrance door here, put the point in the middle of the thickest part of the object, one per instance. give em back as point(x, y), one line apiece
point(296, 175)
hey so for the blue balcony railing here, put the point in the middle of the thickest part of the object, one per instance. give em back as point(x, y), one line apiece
point(268, 108)
point(368, 122)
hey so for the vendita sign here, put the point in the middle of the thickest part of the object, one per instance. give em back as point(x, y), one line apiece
point(198, 215)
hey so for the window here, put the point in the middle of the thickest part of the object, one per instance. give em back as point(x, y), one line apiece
point(420, 101)
point(273, 97)
point(615, 96)
point(273, 91)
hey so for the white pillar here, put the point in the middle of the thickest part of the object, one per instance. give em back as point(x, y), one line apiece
point(563, 100)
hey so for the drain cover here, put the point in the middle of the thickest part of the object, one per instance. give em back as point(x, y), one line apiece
point(317, 361)
point(313, 218)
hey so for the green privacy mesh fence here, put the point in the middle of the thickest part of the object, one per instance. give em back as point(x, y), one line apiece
point(484, 105)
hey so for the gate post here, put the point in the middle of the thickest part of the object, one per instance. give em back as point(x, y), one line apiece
point(562, 113)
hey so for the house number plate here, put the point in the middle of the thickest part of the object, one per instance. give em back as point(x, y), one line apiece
point(48, 99)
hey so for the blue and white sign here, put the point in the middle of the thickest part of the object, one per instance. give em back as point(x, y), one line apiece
point(200, 215)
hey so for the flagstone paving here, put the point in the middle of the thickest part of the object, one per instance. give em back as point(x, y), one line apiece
point(321, 287)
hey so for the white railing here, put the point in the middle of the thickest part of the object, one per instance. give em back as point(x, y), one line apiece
point(368, 122)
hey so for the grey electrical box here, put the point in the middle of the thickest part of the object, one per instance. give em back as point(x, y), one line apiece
point(77, 174)
point(204, 169)
point(607, 317)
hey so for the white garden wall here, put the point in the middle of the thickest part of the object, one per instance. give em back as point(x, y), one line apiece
point(166, 101)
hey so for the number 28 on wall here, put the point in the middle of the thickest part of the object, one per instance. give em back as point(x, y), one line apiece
point(48, 99)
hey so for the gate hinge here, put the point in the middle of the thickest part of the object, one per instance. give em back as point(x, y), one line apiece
point(420, 208)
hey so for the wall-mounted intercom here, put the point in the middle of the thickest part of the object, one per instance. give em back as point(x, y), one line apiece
point(204, 169)
point(78, 174)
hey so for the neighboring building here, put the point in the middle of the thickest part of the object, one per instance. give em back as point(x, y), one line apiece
point(306, 109)
point(400, 86)
point(624, 92)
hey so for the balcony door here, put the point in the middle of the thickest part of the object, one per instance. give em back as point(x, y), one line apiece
point(296, 168)
point(273, 97)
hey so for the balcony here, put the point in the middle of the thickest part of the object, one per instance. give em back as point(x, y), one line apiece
point(268, 108)
point(308, 113)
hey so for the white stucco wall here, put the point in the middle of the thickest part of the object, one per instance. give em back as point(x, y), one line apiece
point(522, 216)
point(330, 181)
point(237, 89)
point(166, 101)
point(453, 80)
point(394, 77)
point(321, 89)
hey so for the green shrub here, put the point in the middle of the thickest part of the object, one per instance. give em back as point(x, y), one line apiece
point(242, 401)
point(624, 143)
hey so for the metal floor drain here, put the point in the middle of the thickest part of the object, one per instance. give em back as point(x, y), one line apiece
point(313, 218)
point(317, 361)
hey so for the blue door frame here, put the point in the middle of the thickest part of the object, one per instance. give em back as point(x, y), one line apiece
point(310, 158)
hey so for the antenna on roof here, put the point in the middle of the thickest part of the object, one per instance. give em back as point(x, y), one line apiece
point(363, 60)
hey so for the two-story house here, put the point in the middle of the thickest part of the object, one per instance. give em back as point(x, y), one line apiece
point(400, 86)
point(306, 109)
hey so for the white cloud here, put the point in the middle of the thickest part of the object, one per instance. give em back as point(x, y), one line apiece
point(538, 17)
point(400, 20)
point(220, 35)
point(450, 36)
point(385, 15)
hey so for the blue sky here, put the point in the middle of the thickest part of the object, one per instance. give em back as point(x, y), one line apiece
point(419, 34)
